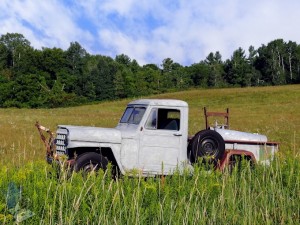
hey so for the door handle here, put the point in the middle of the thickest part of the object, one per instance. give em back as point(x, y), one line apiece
point(177, 135)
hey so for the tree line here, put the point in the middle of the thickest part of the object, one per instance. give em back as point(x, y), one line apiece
point(52, 77)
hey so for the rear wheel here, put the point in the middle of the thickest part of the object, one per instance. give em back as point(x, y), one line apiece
point(90, 161)
point(207, 145)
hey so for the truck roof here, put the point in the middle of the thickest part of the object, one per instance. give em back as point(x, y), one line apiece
point(160, 102)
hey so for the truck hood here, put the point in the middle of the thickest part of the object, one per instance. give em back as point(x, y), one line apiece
point(92, 134)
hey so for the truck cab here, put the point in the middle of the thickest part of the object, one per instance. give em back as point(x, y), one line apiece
point(154, 135)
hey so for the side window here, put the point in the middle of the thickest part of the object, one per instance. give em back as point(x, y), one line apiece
point(164, 119)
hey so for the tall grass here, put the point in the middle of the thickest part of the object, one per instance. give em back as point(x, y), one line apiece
point(264, 195)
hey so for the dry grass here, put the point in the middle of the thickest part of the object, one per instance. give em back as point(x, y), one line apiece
point(274, 111)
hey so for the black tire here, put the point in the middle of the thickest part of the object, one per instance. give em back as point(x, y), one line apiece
point(90, 161)
point(207, 144)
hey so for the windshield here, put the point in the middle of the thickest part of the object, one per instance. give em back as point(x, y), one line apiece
point(133, 115)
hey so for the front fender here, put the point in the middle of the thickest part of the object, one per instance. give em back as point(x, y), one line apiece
point(115, 148)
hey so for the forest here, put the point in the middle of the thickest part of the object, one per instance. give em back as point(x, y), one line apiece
point(52, 77)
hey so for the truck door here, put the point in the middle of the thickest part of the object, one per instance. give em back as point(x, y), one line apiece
point(160, 141)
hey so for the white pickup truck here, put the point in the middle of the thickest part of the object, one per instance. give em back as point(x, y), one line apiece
point(151, 138)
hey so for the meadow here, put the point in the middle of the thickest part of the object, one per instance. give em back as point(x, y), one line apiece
point(264, 195)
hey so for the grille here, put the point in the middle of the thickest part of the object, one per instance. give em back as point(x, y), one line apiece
point(61, 141)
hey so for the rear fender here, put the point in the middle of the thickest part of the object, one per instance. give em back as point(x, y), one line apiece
point(225, 161)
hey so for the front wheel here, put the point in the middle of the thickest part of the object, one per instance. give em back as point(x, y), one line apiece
point(90, 161)
point(207, 145)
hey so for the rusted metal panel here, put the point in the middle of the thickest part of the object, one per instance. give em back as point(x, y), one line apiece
point(228, 153)
point(48, 143)
point(263, 151)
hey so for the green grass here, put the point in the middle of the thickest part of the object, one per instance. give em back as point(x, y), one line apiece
point(265, 195)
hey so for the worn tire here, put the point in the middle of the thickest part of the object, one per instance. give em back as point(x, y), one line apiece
point(208, 145)
point(90, 161)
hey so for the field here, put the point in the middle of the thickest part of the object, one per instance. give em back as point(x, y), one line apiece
point(265, 195)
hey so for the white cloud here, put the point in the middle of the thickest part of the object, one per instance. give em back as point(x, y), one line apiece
point(150, 31)
point(44, 23)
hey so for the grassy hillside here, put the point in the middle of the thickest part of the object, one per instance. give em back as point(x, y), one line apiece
point(264, 195)
point(274, 111)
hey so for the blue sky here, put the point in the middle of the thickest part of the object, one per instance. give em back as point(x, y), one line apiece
point(152, 30)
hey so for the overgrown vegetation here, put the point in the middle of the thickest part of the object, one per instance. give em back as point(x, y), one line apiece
point(264, 195)
point(52, 77)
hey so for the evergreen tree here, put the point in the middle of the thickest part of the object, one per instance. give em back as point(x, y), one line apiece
point(75, 56)
point(216, 70)
point(255, 75)
point(238, 70)
point(199, 74)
